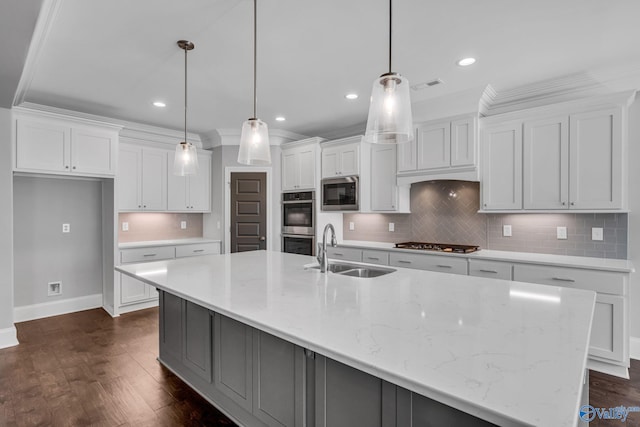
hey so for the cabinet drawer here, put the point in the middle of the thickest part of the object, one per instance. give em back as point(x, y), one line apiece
point(492, 269)
point(197, 249)
point(375, 257)
point(600, 281)
point(147, 254)
point(443, 264)
point(347, 254)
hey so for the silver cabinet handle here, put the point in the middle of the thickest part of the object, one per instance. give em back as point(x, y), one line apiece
point(444, 266)
point(198, 250)
point(338, 254)
point(374, 258)
point(562, 279)
point(150, 254)
point(488, 271)
point(401, 261)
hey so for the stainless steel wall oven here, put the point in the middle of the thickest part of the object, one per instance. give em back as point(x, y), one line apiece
point(298, 222)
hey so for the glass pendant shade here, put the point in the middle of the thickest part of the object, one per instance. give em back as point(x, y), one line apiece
point(390, 120)
point(254, 143)
point(186, 159)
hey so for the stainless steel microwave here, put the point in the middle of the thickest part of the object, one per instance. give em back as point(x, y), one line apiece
point(340, 194)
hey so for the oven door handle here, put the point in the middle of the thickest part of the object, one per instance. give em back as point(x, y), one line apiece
point(296, 202)
point(299, 236)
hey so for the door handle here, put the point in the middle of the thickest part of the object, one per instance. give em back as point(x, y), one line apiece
point(262, 239)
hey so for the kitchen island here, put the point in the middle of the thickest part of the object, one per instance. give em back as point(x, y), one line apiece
point(267, 339)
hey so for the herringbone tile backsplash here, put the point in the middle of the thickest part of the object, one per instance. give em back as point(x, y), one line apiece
point(447, 212)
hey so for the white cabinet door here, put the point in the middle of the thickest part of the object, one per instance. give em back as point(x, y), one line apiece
point(434, 145)
point(607, 329)
point(290, 166)
point(384, 193)
point(330, 162)
point(596, 163)
point(546, 163)
point(154, 179)
point(491, 269)
point(307, 167)
point(177, 187)
point(463, 141)
point(502, 166)
point(93, 151)
point(200, 186)
point(407, 156)
point(132, 290)
point(129, 178)
point(350, 160)
point(43, 146)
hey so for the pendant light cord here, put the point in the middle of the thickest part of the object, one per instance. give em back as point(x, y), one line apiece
point(255, 57)
point(390, 23)
point(185, 96)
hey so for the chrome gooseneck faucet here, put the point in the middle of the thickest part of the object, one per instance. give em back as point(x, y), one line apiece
point(323, 260)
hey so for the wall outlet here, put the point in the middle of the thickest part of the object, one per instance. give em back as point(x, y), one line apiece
point(352, 225)
point(54, 288)
point(66, 228)
point(183, 225)
point(506, 231)
point(125, 226)
point(392, 226)
point(561, 233)
point(597, 233)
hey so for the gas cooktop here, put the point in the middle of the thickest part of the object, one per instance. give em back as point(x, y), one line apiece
point(440, 247)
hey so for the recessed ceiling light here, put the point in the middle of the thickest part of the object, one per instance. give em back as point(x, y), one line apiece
point(159, 104)
point(351, 96)
point(280, 119)
point(465, 62)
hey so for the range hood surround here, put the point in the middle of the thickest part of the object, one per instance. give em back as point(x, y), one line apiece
point(471, 174)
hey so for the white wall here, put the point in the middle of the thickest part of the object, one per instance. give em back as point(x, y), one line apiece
point(634, 225)
point(7, 331)
point(42, 253)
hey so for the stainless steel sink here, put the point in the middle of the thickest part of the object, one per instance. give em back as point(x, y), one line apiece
point(356, 270)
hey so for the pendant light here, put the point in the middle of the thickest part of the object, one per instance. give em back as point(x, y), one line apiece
point(254, 140)
point(390, 118)
point(186, 158)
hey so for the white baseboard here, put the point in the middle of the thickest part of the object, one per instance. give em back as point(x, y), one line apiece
point(8, 337)
point(634, 348)
point(56, 308)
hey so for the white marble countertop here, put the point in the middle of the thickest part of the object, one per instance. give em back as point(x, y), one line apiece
point(619, 265)
point(174, 242)
point(509, 352)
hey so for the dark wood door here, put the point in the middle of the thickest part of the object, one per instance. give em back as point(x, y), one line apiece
point(248, 211)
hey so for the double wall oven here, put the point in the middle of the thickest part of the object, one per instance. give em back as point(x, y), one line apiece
point(298, 223)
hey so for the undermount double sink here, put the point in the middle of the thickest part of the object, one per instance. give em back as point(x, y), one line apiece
point(356, 270)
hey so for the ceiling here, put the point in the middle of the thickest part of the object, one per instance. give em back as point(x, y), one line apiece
point(114, 58)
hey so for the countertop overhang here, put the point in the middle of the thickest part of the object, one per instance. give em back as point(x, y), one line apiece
point(509, 352)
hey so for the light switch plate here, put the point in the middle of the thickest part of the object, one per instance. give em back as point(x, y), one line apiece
point(352, 225)
point(183, 224)
point(392, 226)
point(597, 233)
point(125, 226)
point(561, 233)
point(506, 231)
point(66, 228)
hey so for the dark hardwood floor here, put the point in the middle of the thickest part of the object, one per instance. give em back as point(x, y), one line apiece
point(87, 368)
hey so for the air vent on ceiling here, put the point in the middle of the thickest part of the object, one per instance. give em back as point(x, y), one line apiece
point(425, 85)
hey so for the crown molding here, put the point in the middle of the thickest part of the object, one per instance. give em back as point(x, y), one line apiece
point(231, 136)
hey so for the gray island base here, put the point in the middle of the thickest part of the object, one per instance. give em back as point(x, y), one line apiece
point(273, 343)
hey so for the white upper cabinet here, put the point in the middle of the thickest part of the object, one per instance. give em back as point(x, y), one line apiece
point(341, 157)
point(441, 146)
point(384, 192)
point(502, 166)
point(571, 159)
point(597, 168)
point(52, 145)
point(191, 193)
point(546, 163)
point(142, 179)
point(299, 166)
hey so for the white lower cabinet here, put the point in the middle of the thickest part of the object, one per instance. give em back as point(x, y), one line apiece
point(345, 254)
point(609, 331)
point(375, 257)
point(443, 264)
point(490, 269)
point(132, 294)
